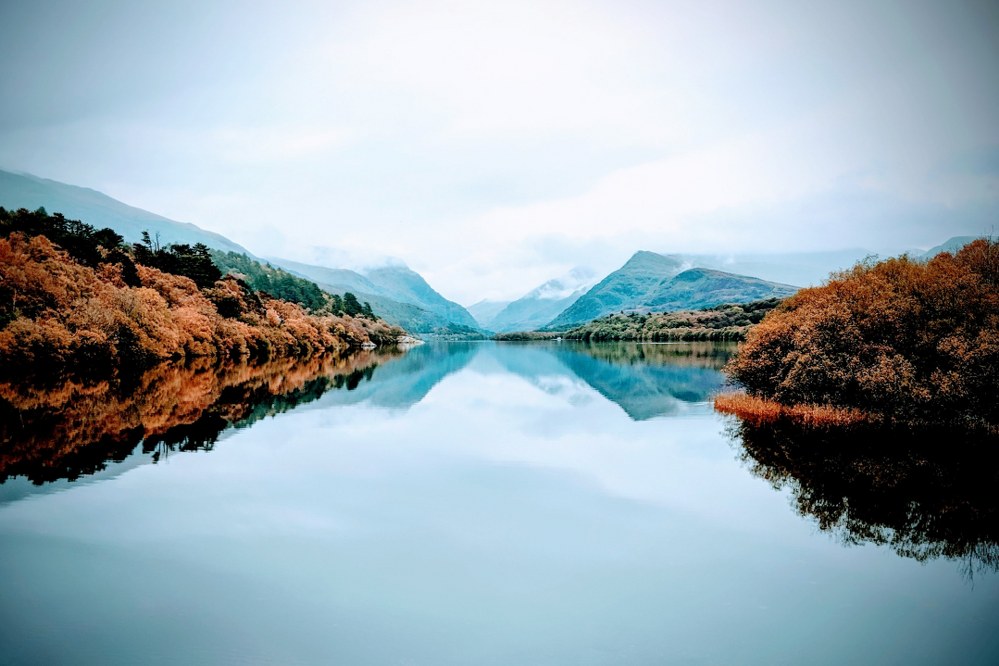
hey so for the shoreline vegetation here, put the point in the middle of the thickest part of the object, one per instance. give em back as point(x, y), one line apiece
point(722, 323)
point(895, 342)
point(729, 322)
point(73, 297)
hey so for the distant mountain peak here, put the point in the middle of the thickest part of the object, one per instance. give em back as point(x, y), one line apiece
point(644, 259)
point(558, 288)
point(395, 291)
point(952, 244)
point(663, 282)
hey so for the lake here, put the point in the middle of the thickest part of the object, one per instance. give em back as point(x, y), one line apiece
point(469, 503)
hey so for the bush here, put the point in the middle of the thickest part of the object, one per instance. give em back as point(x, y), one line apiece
point(906, 339)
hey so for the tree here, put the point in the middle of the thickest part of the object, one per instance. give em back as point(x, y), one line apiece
point(179, 258)
point(351, 305)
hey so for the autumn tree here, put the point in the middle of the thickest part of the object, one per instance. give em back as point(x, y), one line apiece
point(92, 308)
point(903, 338)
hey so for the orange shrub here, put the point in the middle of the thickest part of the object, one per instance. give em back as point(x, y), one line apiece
point(56, 313)
point(908, 340)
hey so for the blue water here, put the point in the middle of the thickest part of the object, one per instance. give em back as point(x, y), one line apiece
point(470, 504)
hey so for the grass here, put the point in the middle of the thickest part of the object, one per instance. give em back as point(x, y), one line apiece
point(760, 411)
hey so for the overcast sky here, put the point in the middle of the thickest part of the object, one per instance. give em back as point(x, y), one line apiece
point(494, 145)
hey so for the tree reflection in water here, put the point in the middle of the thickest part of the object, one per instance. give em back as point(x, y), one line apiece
point(72, 430)
point(713, 355)
point(924, 493)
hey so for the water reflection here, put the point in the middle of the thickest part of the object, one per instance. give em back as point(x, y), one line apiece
point(410, 378)
point(924, 493)
point(645, 380)
point(77, 428)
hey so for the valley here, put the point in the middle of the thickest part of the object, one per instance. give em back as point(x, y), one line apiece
point(649, 282)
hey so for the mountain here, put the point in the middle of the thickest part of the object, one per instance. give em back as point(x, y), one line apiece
point(396, 293)
point(703, 288)
point(800, 268)
point(403, 284)
point(653, 282)
point(950, 245)
point(485, 311)
point(542, 304)
point(531, 312)
point(626, 288)
point(18, 190)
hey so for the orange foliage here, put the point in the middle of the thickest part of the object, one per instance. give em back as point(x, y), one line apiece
point(44, 430)
point(759, 411)
point(59, 314)
point(908, 340)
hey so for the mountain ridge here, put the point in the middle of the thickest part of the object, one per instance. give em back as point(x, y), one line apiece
point(653, 282)
point(412, 301)
point(622, 289)
point(22, 190)
point(543, 303)
point(430, 313)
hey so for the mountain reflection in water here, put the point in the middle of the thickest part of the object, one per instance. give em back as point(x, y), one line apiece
point(925, 493)
point(649, 380)
point(76, 428)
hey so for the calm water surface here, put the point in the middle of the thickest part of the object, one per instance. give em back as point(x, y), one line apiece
point(473, 503)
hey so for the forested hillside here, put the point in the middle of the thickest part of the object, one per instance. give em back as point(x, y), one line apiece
point(72, 296)
point(723, 322)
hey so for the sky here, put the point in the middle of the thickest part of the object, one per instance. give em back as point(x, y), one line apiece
point(492, 146)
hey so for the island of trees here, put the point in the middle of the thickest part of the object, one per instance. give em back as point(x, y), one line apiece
point(72, 296)
point(897, 341)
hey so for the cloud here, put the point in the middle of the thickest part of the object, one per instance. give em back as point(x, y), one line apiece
point(273, 144)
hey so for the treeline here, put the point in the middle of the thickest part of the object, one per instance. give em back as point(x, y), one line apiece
point(86, 300)
point(904, 339)
point(527, 336)
point(281, 284)
point(728, 322)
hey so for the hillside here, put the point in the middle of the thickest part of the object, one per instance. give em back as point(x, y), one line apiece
point(653, 282)
point(797, 268)
point(952, 244)
point(94, 304)
point(423, 310)
point(486, 310)
point(407, 286)
point(702, 288)
point(626, 288)
point(723, 322)
point(398, 294)
point(100, 210)
point(543, 303)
